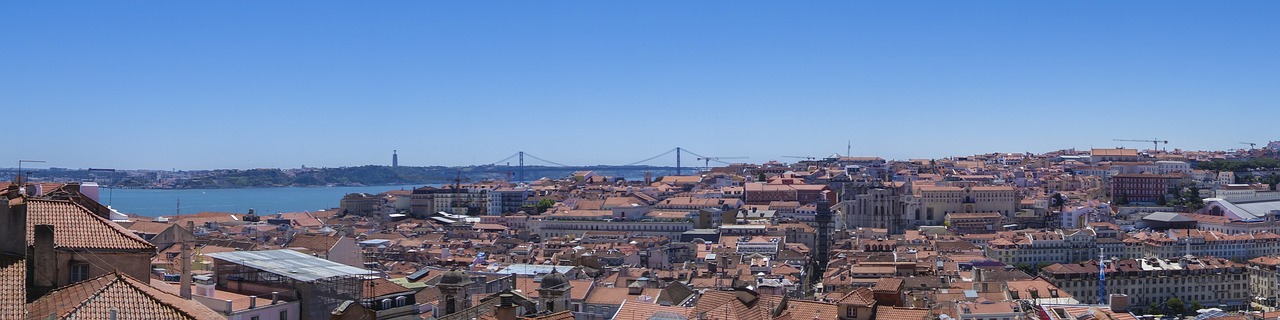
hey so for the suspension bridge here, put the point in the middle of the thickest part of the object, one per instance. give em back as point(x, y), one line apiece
point(645, 164)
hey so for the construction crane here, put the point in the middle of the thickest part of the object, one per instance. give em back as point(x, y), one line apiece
point(1155, 143)
point(706, 161)
point(801, 157)
point(1251, 145)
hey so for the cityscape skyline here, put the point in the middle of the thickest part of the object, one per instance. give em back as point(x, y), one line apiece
point(331, 84)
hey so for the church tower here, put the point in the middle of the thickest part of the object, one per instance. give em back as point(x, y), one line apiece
point(453, 292)
point(553, 294)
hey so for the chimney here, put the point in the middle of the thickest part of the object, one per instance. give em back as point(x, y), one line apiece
point(253, 302)
point(1119, 303)
point(184, 283)
point(506, 308)
point(44, 262)
point(13, 225)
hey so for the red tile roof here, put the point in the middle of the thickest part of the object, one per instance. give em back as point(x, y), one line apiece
point(859, 297)
point(898, 313)
point(13, 293)
point(379, 287)
point(77, 228)
point(94, 298)
point(318, 243)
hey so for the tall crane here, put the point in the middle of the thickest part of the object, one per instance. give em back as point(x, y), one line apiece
point(706, 161)
point(1155, 143)
point(1251, 145)
point(802, 157)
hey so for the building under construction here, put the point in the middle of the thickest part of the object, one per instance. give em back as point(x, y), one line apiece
point(321, 285)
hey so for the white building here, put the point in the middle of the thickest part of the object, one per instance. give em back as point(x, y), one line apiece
point(1166, 167)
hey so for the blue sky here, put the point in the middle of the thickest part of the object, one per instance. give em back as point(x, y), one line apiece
point(283, 84)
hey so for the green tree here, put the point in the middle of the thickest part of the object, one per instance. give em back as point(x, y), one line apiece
point(544, 204)
point(1195, 305)
point(1025, 267)
point(1059, 201)
point(1120, 201)
point(1191, 198)
point(1160, 201)
point(1175, 306)
point(761, 177)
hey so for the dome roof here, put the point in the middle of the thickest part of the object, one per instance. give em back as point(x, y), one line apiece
point(554, 280)
point(455, 277)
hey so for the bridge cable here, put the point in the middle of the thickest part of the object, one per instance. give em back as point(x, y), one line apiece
point(545, 160)
point(513, 155)
point(651, 158)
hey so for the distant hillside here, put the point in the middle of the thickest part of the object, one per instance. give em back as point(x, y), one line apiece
point(344, 176)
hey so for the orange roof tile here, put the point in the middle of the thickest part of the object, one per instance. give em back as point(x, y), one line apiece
point(633, 310)
point(379, 287)
point(78, 228)
point(13, 293)
point(898, 313)
point(93, 298)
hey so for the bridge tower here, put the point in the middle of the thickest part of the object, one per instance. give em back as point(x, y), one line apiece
point(678, 160)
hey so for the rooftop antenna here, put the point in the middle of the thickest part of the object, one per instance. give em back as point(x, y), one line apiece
point(21, 182)
point(848, 148)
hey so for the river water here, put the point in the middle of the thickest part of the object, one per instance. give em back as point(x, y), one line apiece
point(156, 202)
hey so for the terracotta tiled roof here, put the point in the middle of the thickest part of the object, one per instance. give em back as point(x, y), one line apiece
point(318, 243)
point(804, 309)
point(94, 298)
point(896, 313)
point(77, 228)
point(632, 310)
point(888, 284)
point(13, 293)
point(379, 287)
point(737, 304)
point(562, 315)
point(860, 297)
point(148, 227)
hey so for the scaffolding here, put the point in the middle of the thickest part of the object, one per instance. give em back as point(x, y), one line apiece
point(320, 285)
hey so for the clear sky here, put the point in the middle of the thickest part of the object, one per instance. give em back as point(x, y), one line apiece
point(242, 84)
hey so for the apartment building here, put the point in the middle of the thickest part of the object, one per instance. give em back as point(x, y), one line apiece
point(1145, 187)
point(1208, 280)
point(638, 221)
point(938, 201)
point(1074, 245)
point(1264, 278)
point(1117, 154)
point(1037, 247)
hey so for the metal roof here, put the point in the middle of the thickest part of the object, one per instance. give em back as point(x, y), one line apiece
point(288, 263)
point(1167, 217)
point(1249, 211)
point(533, 269)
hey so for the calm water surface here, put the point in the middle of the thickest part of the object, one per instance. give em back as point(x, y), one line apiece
point(153, 202)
